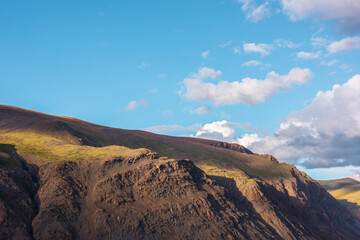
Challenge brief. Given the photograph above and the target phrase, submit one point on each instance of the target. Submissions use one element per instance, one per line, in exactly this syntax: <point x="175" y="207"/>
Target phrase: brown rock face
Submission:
<point x="145" y="196"/>
<point x="148" y="198"/>
<point x="139" y="198"/>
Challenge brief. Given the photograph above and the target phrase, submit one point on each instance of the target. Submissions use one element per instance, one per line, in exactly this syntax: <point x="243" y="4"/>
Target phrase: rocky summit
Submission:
<point x="63" y="178"/>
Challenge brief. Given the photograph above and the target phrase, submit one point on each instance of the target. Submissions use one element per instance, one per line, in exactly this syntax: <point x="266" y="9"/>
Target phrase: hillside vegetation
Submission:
<point x="63" y="178"/>
<point x="346" y="190"/>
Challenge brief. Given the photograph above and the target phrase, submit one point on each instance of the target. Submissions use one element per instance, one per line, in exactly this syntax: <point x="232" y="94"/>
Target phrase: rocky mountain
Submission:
<point x="346" y="191"/>
<point x="63" y="178"/>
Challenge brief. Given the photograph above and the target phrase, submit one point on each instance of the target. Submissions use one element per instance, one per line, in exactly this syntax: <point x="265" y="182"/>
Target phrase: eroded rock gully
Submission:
<point x="149" y="198"/>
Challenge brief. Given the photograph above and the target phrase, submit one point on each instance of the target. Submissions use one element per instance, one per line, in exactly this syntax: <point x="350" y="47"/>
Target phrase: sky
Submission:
<point x="277" y="76"/>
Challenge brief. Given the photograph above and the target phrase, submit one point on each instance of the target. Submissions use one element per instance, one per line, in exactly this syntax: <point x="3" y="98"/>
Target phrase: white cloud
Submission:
<point x="248" y="91"/>
<point x="134" y="104"/>
<point x="345" y="12"/>
<point x="330" y="63"/>
<point x="237" y="50"/>
<point x="262" y="48"/>
<point x="220" y="130"/>
<point x="248" y="139"/>
<point x="225" y="44"/>
<point x="346" y="67"/>
<point x="251" y="63"/>
<point x="308" y="55"/>
<point x="346" y="44"/>
<point x="318" y="42"/>
<point x="253" y="12"/>
<point x="167" y="113"/>
<point x="283" y="43"/>
<point x="205" y="54"/>
<point x="224" y="115"/>
<point x="324" y="134"/>
<point x="144" y="65"/>
<point x="224" y="131"/>
<point x="153" y="90"/>
<point x="202" y="111"/>
<point x="207" y="73"/>
<point x="162" y="75"/>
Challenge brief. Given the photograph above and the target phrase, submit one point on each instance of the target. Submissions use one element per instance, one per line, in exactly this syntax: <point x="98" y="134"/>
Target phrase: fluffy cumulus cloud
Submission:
<point x="225" y="131"/>
<point x="346" y="44"/>
<point x="255" y="12"/>
<point x="346" y="12"/>
<point x="248" y="91"/>
<point x="262" y="48"/>
<point x="135" y="104"/>
<point x="324" y="134"/>
<point x="308" y="55"/>
<point x="220" y="130"/>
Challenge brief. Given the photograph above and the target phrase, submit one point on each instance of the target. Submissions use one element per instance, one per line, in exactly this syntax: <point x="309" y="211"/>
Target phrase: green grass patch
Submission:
<point x="51" y="149"/>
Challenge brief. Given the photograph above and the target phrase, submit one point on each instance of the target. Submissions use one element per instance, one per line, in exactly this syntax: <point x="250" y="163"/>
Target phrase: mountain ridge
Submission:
<point x="114" y="185"/>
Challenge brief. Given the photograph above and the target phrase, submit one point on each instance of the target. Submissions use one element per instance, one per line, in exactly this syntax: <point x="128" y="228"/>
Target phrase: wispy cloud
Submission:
<point x="143" y="65"/>
<point x="253" y="12"/>
<point x="154" y="90"/>
<point x="201" y="111"/>
<point x="167" y="113"/>
<point x="283" y="43"/>
<point x="319" y="42"/>
<point x="329" y="63"/>
<point x="205" y="54"/>
<point x="135" y="104"/>
<point x="225" y="44"/>
<point x="251" y="63"/>
<point x="237" y="50"/>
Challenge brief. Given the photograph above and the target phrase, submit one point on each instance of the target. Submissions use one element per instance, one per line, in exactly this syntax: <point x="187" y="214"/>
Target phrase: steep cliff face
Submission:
<point x="141" y="197"/>
<point x="60" y="179"/>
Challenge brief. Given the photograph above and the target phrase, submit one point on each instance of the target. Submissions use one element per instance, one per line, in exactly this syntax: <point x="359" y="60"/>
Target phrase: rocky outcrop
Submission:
<point x="18" y="199"/>
<point x="231" y="146"/>
<point x="267" y="157"/>
<point x="145" y="196"/>
<point x="139" y="198"/>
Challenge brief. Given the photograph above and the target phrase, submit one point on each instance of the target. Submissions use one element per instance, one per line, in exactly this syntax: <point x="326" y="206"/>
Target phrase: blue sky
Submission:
<point x="242" y="71"/>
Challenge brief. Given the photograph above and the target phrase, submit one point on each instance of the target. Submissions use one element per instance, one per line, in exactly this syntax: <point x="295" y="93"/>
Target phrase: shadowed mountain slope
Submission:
<point x="63" y="178"/>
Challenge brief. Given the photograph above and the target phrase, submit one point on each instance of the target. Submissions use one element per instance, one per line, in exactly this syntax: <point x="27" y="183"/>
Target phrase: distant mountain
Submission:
<point x="346" y="191"/>
<point x="63" y="178"/>
<point x="356" y="177"/>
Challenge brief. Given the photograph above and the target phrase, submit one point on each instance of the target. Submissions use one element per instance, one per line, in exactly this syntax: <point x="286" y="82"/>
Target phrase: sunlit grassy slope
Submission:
<point x="53" y="138"/>
<point x="50" y="149"/>
<point x="346" y="190"/>
<point x="204" y="156"/>
<point x="212" y="160"/>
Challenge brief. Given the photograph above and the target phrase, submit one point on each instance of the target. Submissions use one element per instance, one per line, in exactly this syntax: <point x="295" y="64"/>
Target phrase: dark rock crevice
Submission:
<point x="19" y="202"/>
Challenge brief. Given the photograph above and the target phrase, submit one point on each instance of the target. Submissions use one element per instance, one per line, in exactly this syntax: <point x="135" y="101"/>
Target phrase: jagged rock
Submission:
<point x="148" y="196"/>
